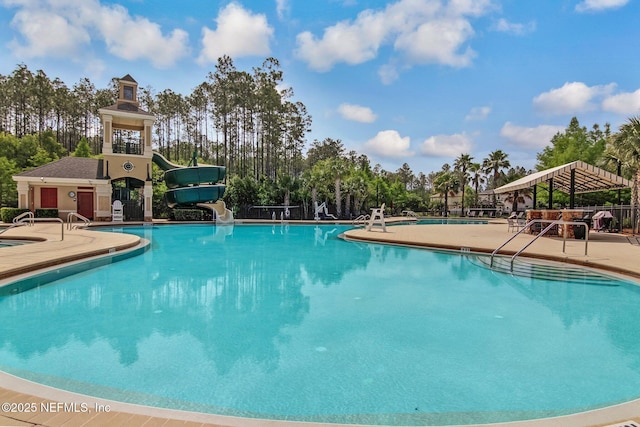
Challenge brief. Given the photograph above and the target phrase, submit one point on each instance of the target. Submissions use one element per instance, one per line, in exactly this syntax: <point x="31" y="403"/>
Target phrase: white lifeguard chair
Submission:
<point x="377" y="219"/>
<point x="117" y="211"/>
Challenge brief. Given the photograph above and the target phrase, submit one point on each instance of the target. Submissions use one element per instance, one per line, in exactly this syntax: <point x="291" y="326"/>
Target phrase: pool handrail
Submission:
<point x="20" y="224"/>
<point x="549" y="227"/>
<point x="361" y="220"/>
<point x="82" y="218"/>
<point x="24" y="222"/>
<point x="19" y="218"/>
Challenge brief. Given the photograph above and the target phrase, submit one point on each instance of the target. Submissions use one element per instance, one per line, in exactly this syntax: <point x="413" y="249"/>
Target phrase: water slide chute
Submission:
<point x="186" y="196"/>
<point x="219" y="209"/>
<point x="193" y="185"/>
<point x="193" y="175"/>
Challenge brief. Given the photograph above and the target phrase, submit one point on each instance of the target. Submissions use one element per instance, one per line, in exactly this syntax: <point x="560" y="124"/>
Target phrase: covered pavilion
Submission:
<point x="571" y="178"/>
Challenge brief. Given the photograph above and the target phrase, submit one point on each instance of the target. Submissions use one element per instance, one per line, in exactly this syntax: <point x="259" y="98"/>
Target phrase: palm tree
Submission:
<point x="462" y="164"/>
<point x="476" y="179"/>
<point x="338" y="169"/>
<point x="496" y="161"/>
<point x="624" y="147"/>
<point x="446" y="183"/>
<point x="517" y="197"/>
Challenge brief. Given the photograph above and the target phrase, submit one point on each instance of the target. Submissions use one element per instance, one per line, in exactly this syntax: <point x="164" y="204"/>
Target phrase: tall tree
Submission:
<point x="493" y="165"/>
<point x="575" y="143"/>
<point x="405" y="175"/>
<point x="42" y="99"/>
<point x="446" y="183"/>
<point x="476" y="179"/>
<point x="20" y="88"/>
<point x="462" y="165"/>
<point x="328" y="148"/>
<point x="625" y="147"/>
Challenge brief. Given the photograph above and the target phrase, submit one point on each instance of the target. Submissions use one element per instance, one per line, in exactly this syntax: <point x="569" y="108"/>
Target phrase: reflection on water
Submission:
<point x="292" y="321"/>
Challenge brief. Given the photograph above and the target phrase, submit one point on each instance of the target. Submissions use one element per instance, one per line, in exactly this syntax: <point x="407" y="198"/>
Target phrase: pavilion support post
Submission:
<point x="535" y="196"/>
<point x="572" y="190"/>
<point x="550" y="203"/>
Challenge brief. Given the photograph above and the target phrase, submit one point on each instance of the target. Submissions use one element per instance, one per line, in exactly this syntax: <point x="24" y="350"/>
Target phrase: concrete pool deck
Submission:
<point x="613" y="252"/>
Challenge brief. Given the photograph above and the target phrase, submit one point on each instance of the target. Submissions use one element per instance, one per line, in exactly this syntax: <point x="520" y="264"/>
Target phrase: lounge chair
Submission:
<point x="513" y="223"/>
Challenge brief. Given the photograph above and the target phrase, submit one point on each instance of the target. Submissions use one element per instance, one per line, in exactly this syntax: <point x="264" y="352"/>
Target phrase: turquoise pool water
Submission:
<point x="291" y="322"/>
<point x="4" y="243"/>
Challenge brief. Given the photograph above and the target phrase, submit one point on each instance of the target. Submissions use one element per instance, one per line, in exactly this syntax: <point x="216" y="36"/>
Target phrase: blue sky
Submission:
<point x="415" y="81"/>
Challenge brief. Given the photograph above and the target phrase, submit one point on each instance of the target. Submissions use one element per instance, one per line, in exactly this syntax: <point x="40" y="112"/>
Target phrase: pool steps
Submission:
<point x="61" y="271"/>
<point x="543" y="271"/>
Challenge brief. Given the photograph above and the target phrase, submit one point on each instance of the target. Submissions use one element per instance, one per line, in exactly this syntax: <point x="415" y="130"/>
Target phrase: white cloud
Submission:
<point x="575" y="97"/>
<point x="478" y="113"/>
<point x="388" y="74"/>
<point x="66" y="29"/>
<point x="623" y="103"/>
<point x="238" y="33"/>
<point x="282" y="8"/>
<point x="47" y="34"/>
<point x="389" y="143"/>
<point x="505" y="26"/>
<point x="446" y="145"/>
<point x="438" y="42"/>
<point x="119" y="30"/>
<point x="530" y="137"/>
<point x="422" y="31"/>
<point x="599" y="5"/>
<point x="357" y="113"/>
<point x="344" y="42"/>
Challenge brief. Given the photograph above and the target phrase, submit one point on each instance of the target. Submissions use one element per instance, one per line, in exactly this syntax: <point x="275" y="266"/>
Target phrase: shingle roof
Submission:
<point x="125" y="106"/>
<point x="69" y="167"/>
<point x="129" y="78"/>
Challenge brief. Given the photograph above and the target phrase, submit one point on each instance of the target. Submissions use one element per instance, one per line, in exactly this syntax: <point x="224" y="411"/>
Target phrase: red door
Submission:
<point x="85" y="204"/>
<point x="48" y="198"/>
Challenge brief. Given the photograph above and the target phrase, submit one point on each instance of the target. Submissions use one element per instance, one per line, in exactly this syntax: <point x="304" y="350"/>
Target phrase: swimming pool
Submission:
<point x="9" y="242"/>
<point x="291" y="322"/>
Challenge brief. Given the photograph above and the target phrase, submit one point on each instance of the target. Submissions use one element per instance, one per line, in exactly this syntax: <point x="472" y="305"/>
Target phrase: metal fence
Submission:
<point x="625" y="216"/>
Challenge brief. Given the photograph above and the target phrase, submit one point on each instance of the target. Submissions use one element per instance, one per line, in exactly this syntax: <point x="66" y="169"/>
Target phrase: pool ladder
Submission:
<point x="361" y="220"/>
<point x="549" y="227"/>
<point x="71" y="216"/>
<point x="19" y="221"/>
<point x="30" y="220"/>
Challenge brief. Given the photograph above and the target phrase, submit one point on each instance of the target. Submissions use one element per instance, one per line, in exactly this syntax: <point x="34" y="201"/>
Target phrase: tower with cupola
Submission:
<point x="127" y="151"/>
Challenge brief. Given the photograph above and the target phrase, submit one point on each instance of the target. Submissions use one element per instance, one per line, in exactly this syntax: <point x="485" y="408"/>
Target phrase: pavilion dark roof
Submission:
<point x="69" y="167"/>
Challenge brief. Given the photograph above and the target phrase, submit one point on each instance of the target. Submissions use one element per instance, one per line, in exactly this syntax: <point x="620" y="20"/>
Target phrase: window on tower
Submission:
<point x="128" y="93"/>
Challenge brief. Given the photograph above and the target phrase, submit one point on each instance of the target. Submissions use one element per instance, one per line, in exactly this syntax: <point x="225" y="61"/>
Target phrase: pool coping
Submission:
<point x="21" y="390"/>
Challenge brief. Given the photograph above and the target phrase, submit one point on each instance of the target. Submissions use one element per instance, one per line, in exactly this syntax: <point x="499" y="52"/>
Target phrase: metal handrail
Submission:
<point x="361" y="220"/>
<point x="542" y="233"/>
<point x="19" y="224"/>
<point x="22" y="222"/>
<point x="19" y="218"/>
<point x="70" y="217"/>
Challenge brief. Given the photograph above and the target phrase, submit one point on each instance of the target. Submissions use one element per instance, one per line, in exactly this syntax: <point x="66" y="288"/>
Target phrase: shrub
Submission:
<point x="46" y="213"/>
<point x="7" y="214"/>
<point x="187" y="214"/>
